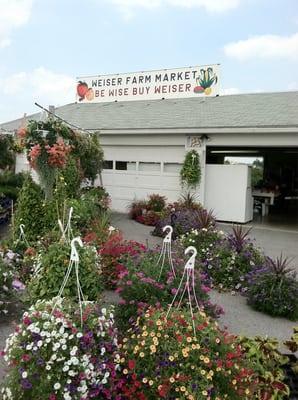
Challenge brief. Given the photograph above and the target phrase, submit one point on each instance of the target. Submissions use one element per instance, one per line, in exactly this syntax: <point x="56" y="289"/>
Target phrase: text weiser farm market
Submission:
<point x="173" y="83"/>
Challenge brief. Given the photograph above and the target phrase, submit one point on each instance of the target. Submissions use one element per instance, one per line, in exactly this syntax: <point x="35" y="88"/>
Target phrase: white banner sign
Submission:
<point x="152" y="85"/>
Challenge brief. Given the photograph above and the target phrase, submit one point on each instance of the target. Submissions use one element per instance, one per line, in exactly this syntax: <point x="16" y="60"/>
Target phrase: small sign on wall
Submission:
<point x="195" y="81"/>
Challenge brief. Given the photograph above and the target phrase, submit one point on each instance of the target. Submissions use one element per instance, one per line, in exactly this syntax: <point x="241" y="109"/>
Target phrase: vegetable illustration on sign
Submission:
<point x="84" y="92"/>
<point x="205" y="80"/>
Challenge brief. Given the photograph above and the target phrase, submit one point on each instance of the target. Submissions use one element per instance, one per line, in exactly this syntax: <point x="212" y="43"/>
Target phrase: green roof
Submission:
<point x="243" y="110"/>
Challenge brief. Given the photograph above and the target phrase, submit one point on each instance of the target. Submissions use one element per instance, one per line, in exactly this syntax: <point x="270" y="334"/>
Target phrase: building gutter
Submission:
<point x="198" y="131"/>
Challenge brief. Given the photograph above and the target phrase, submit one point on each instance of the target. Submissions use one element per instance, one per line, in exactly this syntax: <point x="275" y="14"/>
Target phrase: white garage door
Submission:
<point x="133" y="172"/>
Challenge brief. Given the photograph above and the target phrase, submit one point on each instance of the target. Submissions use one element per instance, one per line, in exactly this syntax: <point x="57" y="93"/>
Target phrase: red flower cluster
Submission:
<point x="150" y="218"/>
<point x="57" y="154"/>
<point x="113" y="253"/>
<point x="34" y="154"/>
<point x="22" y="132"/>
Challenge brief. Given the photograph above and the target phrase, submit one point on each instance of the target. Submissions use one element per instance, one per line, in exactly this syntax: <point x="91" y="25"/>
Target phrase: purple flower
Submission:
<point x="26" y="384"/>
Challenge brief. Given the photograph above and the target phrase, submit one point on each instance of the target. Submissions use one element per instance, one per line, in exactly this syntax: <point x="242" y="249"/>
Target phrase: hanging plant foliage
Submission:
<point x="51" y="145"/>
<point x="190" y="173"/>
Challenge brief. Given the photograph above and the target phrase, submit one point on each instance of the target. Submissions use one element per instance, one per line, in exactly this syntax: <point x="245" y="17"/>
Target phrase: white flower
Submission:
<point x="74" y="361"/>
<point x="39" y="343"/>
<point x="24" y="374"/>
<point x="57" y="386"/>
<point x="64" y="347"/>
<point x="65" y="368"/>
<point x="79" y="335"/>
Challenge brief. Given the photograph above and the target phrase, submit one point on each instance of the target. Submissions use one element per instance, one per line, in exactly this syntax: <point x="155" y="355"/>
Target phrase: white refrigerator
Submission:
<point x="228" y="192"/>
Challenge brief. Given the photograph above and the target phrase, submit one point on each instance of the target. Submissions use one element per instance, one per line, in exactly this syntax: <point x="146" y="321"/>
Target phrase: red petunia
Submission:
<point x="131" y="364"/>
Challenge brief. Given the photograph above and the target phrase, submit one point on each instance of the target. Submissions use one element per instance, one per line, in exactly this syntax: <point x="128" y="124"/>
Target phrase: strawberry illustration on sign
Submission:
<point x="82" y="89"/>
<point x="205" y="80"/>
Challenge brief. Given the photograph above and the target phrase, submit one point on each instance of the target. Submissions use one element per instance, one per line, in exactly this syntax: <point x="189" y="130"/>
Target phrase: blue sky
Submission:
<point x="46" y="44"/>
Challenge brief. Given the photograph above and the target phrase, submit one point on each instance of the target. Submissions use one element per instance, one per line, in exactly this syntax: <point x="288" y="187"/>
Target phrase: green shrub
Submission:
<point x="7" y="158"/>
<point x="11" y="183"/>
<point x="30" y="211"/>
<point x="54" y="262"/>
<point x="72" y="177"/>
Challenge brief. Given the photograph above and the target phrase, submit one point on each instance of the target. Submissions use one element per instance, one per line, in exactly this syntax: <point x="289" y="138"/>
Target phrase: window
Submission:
<point x="125" y="166"/>
<point x="108" y="164"/>
<point x="173" y="168"/>
<point x="149" y="166"/>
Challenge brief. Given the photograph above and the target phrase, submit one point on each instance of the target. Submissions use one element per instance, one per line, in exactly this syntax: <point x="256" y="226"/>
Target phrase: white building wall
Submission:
<point x="151" y="147"/>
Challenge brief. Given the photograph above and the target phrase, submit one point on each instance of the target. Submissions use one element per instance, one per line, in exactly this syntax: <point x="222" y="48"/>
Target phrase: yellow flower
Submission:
<point x="217" y="340"/>
<point x="172" y="379"/>
<point x="158" y="322"/>
<point x="150" y="383"/>
<point x="153" y="348"/>
<point x="145" y="380"/>
<point x="182" y="388"/>
<point x="189" y="339"/>
<point x="125" y="371"/>
<point x="145" y="333"/>
<point x="152" y="334"/>
<point x="247" y="391"/>
<point x="158" y="334"/>
<point x="141" y="354"/>
<point x="206" y="360"/>
<point x="204" y="393"/>
<point x="202" y="357"/>
<point x="203" y="372"/>
<point x="234" y="381"/>
<point x="171" y="358"/>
